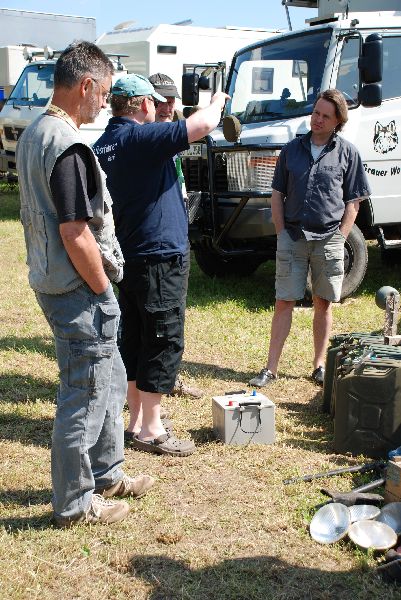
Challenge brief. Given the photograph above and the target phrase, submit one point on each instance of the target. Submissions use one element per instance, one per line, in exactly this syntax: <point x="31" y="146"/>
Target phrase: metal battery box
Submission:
<point x="243" y="419"/>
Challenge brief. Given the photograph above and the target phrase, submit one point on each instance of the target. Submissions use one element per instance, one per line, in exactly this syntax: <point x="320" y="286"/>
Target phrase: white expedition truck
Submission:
<point x="353" y="45"/>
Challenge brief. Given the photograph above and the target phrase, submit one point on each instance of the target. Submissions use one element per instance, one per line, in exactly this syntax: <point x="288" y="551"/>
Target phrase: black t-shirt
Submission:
<point x="72" y="184"/>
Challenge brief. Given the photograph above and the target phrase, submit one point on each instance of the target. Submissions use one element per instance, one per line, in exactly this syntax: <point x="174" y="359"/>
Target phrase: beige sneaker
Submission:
<point x="100" y="511"/>
<point x="130" y="486"/>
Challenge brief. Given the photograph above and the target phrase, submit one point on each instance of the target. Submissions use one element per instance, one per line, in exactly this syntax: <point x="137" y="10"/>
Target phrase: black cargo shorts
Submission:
<point x="152" y="297"/>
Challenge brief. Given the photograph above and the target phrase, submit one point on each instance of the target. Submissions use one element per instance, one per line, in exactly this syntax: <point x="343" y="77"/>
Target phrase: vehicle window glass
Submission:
<point x="348" y="72"/>
<point x="34" y="87"/>
<point x="391" y="84"/>
<point x="279" y="78"/>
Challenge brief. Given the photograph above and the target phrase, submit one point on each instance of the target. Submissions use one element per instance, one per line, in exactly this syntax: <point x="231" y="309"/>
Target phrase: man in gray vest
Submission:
<point x="73" y="256"/>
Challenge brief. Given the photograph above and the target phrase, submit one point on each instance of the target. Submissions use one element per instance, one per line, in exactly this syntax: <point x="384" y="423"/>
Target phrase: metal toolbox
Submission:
<point x="243" y="419"/>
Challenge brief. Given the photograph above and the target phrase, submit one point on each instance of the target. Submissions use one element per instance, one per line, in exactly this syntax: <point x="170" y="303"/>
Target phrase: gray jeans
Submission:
<point x="88" y="431"/>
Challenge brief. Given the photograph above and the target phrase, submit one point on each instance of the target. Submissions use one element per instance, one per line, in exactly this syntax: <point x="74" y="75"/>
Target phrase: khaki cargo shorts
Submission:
<point x="325" y="259"/>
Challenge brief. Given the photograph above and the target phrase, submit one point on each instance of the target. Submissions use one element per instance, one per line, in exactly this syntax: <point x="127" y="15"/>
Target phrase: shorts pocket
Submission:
<point x="334" y="258"/>
<point x="283" y="263"/>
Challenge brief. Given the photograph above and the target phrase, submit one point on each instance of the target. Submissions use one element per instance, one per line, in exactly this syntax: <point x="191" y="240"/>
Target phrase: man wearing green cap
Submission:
<point x="152" y="227"/>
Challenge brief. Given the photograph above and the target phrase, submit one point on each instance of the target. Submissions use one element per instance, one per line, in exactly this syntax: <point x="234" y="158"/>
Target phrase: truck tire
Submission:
<point x="215" y="265"/>
<point x="355" y="264"/>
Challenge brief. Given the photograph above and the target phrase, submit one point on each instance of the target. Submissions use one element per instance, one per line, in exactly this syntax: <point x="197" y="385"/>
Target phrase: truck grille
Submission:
<point x="13" y="133"/>
<point x="251" y="170"/>
<point x="242" y="170"/>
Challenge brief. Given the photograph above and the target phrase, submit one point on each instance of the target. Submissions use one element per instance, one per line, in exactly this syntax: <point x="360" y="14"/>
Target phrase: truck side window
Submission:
<point x="348" y="73"/>
<point x="391" y="67"/>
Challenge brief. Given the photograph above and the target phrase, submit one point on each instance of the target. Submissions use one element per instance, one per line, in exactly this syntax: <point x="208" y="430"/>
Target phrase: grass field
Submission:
<point x="219" y="524"/>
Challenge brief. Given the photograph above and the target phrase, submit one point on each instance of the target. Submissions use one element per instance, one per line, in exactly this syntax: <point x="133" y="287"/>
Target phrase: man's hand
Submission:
<point x="84" y="254"/>
<point x="206" y="119"/>
<point x="221" y="98"/>
<point x="277" y="205"/>
<point x="349" y="216"/>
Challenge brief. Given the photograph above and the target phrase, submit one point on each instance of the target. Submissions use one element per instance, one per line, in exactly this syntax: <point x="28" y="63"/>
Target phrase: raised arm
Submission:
<point x="205" y="120"/>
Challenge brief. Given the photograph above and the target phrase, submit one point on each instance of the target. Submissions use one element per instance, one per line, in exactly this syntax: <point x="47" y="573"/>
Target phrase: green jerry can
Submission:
<point x="339" y="346"/>
<point x="368" y="407"/>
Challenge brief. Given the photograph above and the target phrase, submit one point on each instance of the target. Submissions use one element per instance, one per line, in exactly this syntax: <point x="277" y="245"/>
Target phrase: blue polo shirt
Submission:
<point x="148" y="207"/>
<point x="316" y="192"/>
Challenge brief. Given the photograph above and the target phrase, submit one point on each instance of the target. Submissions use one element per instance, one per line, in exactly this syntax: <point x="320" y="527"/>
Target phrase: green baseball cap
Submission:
<point x="135" y="85"/>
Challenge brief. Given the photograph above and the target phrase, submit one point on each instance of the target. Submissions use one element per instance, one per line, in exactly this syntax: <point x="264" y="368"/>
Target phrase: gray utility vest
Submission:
<point x="50" y="268"/>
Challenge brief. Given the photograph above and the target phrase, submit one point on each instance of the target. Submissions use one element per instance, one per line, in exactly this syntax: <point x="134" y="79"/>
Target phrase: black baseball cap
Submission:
<point x="164" y="85"/>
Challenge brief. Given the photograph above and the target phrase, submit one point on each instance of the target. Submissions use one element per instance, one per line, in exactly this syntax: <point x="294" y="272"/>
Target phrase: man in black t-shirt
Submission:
<point x="72" y="257"/>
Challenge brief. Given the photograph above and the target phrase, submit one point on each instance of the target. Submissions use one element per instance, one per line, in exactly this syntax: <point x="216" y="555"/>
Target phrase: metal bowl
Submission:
<point x="372" y="534"/>
<point x="330" y="523"/>
<point x="391" y="515"/>
<point x="360" y="512"/>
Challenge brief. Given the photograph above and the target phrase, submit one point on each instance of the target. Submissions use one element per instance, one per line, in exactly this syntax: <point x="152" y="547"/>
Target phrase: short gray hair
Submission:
<point x="80" y="59"/>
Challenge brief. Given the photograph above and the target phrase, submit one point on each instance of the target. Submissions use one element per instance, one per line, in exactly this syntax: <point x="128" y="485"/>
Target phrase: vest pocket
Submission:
<point x="36" y="240"/>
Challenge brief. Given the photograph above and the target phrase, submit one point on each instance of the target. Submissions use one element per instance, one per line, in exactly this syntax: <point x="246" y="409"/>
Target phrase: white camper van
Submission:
<point x="170" y="49"/>
<point x="177" y="49"/>
<point x="352" y="45"/>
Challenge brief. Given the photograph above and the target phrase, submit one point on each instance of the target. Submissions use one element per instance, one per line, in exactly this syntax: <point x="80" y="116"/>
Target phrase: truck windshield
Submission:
<point x="279" y="79"/>
<point x="34" y="87"/>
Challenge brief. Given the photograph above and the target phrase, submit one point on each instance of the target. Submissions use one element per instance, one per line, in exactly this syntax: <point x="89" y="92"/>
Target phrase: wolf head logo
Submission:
<point x="385" y="138"/>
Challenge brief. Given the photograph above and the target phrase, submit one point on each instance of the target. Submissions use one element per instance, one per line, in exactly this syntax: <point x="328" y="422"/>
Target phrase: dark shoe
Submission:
<point x="100" y="511"/>
<point x="318" y="376"/>
<point x="182" y="389"/>
<point x="130" y="435"/>
<point x="130" y="486"/>
<point x="165" y="444"/>
<point x="264" y="378"/>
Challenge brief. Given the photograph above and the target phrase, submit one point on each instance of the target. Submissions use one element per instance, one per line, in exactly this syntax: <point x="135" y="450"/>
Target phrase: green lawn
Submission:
<point x="219" y="524"/>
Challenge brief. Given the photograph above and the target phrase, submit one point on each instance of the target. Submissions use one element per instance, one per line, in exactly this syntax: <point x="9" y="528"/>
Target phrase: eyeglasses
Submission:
<point x="106" y="93"/>
<point x="169" y="102"/>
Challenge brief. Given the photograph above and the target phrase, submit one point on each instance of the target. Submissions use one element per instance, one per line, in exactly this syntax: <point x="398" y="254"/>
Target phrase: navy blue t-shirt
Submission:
<point x="148" y="207"/>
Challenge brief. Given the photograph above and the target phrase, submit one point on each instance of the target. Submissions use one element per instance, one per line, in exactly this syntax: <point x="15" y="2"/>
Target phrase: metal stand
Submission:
<point x="390" y="320"/>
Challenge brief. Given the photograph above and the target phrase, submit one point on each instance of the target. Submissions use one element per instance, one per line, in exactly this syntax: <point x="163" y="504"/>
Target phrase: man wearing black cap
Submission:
<point x="164" y="85"/>
<point x="152" y="227"/>
<point x="166" y="113"/>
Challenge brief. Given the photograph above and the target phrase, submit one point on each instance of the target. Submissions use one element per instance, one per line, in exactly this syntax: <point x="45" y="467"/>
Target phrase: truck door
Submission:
<point x="377" y="131"/>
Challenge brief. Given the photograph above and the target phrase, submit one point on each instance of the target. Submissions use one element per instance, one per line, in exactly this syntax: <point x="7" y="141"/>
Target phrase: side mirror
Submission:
<point x="371" y="62"/>
<point x="190" y="89"/>
<point x="371" y="95"/>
